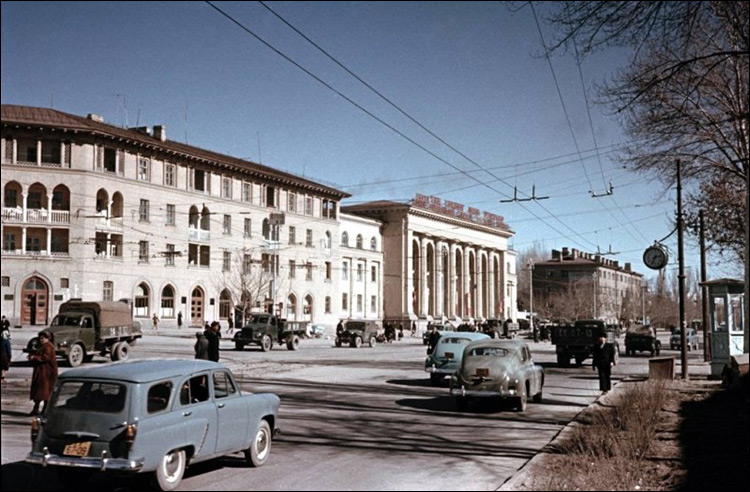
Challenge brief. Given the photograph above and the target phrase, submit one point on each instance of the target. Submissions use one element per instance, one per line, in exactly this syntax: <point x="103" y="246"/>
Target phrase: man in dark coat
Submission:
<point x="212" y="335"/>
<point x="603" y="361"/>
<point x="433" y="339"/>
<point x="44" y="377"/>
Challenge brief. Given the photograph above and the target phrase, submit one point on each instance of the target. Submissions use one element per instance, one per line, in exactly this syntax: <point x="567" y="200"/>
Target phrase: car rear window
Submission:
<point x="90" y="396"/>
<point x="489" y="352"/>
<point x="456" y="340"/>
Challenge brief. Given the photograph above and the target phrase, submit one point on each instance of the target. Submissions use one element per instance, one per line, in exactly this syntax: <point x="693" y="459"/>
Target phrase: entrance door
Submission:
<point x="196" y="307"/>
<point x="34" y="297"/>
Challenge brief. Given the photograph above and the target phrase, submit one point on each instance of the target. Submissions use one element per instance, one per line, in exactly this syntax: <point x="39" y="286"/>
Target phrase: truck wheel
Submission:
<point x="168" y="474"/>
<point x="357" y="342"/>
<point x="293" y="343"/>
<point x="113" y="352"/>
<point x="579" y="359"/>
<point x="563" y="360"/>
<point x="239" y="346"/>
<point x="123" y="351"/>
<point x="373" y="341"/>
<point x="266" y="343"/>
<point x="258" y="452"/>
<point x="76" y="355"/>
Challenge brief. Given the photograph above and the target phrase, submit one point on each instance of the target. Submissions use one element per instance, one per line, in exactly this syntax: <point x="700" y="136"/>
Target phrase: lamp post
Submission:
<point x="531" y="295"/>
<point x="644" y="288"/>
<point x="594" y="277"/>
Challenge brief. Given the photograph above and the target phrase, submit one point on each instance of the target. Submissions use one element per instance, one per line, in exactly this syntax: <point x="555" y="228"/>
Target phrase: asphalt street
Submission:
<point x="351" y="419"/>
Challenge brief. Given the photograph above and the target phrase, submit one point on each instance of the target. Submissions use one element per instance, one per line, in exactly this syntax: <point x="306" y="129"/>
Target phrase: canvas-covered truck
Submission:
<point x="577" y="340"/>
<point x="266" y="330"/>
<point x="82" y="329"/>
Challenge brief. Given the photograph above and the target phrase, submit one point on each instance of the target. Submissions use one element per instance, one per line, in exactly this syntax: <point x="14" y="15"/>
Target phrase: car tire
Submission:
<point x="357" y="342"/>
<point x="120" y="351"/>
<point x="76" y="355"/>
<point x="373" y="341"/>
<point x="521" y="399"/>
<point x="563" y="360"/>
<point x="266" y="343"/>
<point x="293" y="343"/>
<point x="171" y="468"/>
<point x="239" y="346"/>
<point x="257" y="454"/>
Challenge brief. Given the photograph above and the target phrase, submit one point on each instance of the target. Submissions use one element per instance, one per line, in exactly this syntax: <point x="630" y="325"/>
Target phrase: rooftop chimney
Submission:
<point x="627" y="267"/>
<point x="141" y="129"/>
<point x="160" y="132"/>
<point x="556" y="255"/>
<point x="565" y="252"/>
<point x="95" y="117"/>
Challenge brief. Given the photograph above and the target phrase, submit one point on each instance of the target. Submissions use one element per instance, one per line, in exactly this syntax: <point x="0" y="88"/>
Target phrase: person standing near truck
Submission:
<point x="603" y="362"/>
<point x="44" y="377"/>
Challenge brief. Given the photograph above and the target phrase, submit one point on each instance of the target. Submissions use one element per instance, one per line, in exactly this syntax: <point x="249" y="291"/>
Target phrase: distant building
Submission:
<point x="574" y="284"/>
<point x="360" y="269"/>
<point x="442" y="261"/>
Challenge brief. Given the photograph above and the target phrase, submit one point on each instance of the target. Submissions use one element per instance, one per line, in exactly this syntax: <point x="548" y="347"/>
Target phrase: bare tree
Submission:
<point x="536" y="253"/>
<point x="248" y="278"/>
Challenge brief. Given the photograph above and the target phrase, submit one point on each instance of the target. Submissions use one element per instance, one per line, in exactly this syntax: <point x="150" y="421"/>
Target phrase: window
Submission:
<point x="359" y="303"/>
<point x="144" y="168"/>
<point x="247" y="262"/>
<point x="328" y="305"/>
<point x="309" y="275"/>
<point x="143" y="211"/>
<point x="194" y="390"/>
<point x="309" y="238"/>
<point x="169" y="256"/>
<point x="169" y="175"/>
<point x="373" y="244"/>
<point x="327" y="242"/>
<point x="374" y="304"/>
<point x="225" y="304"/>
<point x="158" y="397"/>
<point x="227" y="224"/>
<point x="108" y="290"/>
<point x="328" y="270"/>
<point x="308" y="205"/>
<point x="345" y="270"/>
<point x="292" y="269"/>
<point x="6" y="281"/>
<point x="359" y="241"/>
<point x="143" y="251"/>
<point x="360" y="272"/>
<point x="271" y="196"/>
<point x="226" y="263"/>
<point x="248" y="227"/>
<point x="344" y="301"/>
<point x="344" y="239"/>
<point x="247" y="192"/>
<point x="9" y="241"/>
<point x="170" y="215"/>
<point x="223" y="385"/>
<point x="373" y="274"/>
<point x="142" y="295"/>
<point x="226" y="187"/>
<point x="51" y="152"/>
<point x="291" y="202"/>
<point x="292" y="235"/>
<point x="201" y="181"/>
<point x="64" y="283"/>
<point x="110" y="160"/>
<point x="167" y="302"/>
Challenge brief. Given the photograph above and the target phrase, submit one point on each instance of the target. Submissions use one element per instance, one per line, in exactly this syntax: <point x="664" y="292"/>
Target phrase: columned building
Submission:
<point x="442" y="262"/>
<point x="95" y="211"/>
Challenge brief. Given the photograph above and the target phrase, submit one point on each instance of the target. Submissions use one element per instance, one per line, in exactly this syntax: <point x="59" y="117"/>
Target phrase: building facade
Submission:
<point x="574" y="284"/>
<point x="95" y="211"/>
<point x="361" y="268"/>
<point x="442" y="262"/>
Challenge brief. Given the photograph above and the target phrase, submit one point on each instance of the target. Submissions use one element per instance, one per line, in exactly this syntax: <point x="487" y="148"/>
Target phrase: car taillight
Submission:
<point x="36" y="424"/>
<point x="130" y="432"/>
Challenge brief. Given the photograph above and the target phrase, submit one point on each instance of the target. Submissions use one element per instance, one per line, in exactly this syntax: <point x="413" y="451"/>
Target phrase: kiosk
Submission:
<point x="728" y="323"/>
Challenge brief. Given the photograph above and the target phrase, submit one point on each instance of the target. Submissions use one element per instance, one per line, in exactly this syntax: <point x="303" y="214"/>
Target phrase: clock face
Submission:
<point x="655" y="258"/>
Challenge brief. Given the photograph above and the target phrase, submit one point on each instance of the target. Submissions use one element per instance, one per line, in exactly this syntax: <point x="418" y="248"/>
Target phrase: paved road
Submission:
<point x="352" y="419"/>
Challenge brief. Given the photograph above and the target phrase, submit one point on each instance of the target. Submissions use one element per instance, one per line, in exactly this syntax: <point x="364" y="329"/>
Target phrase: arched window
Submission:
<point x="373" y="244"/>
<point x="308" y="308"/>
<point x="225" y="304"/>
<point x="167" y="302"/>
<point x="344" y="239"/>
<point x="291" y="307"/>
<point x="359" y="241"/>
<point x="328" y="239"/>
<point x="142" y="295"/>
<point x="266" y="229"/>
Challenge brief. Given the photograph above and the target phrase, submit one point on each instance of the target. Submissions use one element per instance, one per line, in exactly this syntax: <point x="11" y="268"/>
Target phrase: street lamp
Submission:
<point x="644" y="288"/>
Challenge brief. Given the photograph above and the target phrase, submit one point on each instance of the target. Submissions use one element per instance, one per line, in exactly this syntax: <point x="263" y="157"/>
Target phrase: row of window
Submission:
<point x="359" y="241"/>
<point x="359" y="300"/>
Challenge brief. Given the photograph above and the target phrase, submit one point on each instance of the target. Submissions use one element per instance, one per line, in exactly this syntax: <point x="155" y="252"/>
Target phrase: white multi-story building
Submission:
<point x="95" y="211"/>
<point x="443" y="262"/>
<point x="361" y="268"/>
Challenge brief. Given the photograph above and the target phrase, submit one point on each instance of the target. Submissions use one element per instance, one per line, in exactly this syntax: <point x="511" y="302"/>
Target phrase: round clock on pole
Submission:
<point x="655" y="257"/>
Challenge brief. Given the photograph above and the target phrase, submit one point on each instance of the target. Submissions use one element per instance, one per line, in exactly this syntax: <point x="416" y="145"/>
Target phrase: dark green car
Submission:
<point x="356" y="332"/>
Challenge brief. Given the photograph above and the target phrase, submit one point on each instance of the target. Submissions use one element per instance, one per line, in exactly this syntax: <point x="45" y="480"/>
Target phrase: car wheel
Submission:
<point x="338" y="342"/>
<point x="293" y="343"/>
<point x="266" y="343"/>
<point x="357" y="342"/>
<point x="113" y="354"/>
<point x="538" y="397"/>
<point x="72" y="478"/>
<point x="373" y="341"/>
<point x="521" y="399"/>
<point x="76" y="355"/>
<point x="258" y="452"/>
<point x="239" y="346"/>
<point x="168" y="474"/>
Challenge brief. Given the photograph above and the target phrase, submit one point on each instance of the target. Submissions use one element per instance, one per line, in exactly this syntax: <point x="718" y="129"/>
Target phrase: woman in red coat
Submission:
<point x="45" y="372"/>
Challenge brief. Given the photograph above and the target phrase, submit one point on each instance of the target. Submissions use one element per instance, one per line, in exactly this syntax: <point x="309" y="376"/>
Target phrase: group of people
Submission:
<point x="392" y="332"/>
<point x="207" y="342"/>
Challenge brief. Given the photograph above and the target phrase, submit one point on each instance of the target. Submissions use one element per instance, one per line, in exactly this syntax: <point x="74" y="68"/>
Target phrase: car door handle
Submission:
<point x="187" y="414"/>
<point x="221" y="405"/>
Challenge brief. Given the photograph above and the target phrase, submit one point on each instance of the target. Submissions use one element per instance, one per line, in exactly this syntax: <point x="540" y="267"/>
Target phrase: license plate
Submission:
<point x="449" y="355"/>
<point x="483" y="373"/>
<point x="77" y="449"/>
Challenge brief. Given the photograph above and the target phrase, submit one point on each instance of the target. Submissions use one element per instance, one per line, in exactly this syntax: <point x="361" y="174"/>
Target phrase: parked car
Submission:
<point x="693" y="339"/>
<point x="446" y="358"/>
<point x="497" y="368"/>
<point x="150" y="417"/>
<point x="642" y="339"/>
<point x="356" y="332"/>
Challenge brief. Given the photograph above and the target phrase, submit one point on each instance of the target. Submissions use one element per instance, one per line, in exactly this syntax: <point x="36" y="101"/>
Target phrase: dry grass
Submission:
<point x="606" y="450"/>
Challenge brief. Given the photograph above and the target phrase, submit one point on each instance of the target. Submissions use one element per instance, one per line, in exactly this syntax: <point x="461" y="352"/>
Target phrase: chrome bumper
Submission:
<point x="462" y="392"/>
<point x="103" y="463"/>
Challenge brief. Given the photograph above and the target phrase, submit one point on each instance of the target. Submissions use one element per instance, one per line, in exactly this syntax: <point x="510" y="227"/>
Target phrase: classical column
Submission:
<point x="439" y="280"/>
<point x="49" y="208"/>
<point x="452" y="282"/>
<point x="38" y="152"/>
<point x="49" y="241"/>
<point x="25" y="195"/>
<point x="492" y="301"/>
<point x="468" y="306"/>
<point x="408" y="272"/>
<point x="424" y="298"/>
<point x="23" y="238"/>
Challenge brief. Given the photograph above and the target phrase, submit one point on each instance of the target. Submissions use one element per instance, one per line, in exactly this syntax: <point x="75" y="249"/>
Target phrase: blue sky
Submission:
<point x="470" y="72"/>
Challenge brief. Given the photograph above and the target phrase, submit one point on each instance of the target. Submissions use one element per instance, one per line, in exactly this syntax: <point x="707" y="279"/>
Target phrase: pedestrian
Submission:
<point x="6" y="324"/>
<point x="413" y="328"/>
<point x="155" y="320"/>
<point x="179" y="320"/>
<point x="433" y="339"/>
<point x="230" y="325"/>
<point x="339" y="328"/>
<point x="603" y="361"/>
<point x="5" y="351"/>
<point x="44" y="377"/>
<point x="201" y="346"/>
<point x="213" y="342"/>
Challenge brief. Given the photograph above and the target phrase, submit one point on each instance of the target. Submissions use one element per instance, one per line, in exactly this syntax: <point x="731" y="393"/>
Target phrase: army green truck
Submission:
<point x="577" y="340"/>
<point x="266" y="330"/>
<point x="82" y="329"/>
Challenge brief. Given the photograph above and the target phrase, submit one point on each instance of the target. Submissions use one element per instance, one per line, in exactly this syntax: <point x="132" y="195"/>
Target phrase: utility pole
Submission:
<point x="531" y="296"/>
<point x="644" y="286"/>
<point x="594" y="278"/>
<point x="275" y="221"/>
<point x="704" y="290"/>
<point x="681" y="274"/>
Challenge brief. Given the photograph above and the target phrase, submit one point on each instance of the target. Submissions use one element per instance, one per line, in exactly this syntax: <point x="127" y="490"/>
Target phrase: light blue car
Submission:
<point x="446" y="358"/>
<point x="150" y="417"/>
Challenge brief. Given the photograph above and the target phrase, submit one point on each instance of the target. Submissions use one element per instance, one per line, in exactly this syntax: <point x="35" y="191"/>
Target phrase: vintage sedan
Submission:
<point x="150" y="417"/>
<point x="692" y="337"/>
<point x="497" y="369"/>
<point x="446" y="358"/>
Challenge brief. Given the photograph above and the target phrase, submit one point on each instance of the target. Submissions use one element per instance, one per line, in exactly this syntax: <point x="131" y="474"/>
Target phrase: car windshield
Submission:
<point x="91" y="396"/>
<point x="489" y="351"/>
<point x="259" y="319"/>
<point x="355" y="325"/>
<point x="455" y="340"/>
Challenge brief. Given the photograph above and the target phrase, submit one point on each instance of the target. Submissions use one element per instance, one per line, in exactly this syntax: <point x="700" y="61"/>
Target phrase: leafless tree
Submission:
<point x="248" y="278"/>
